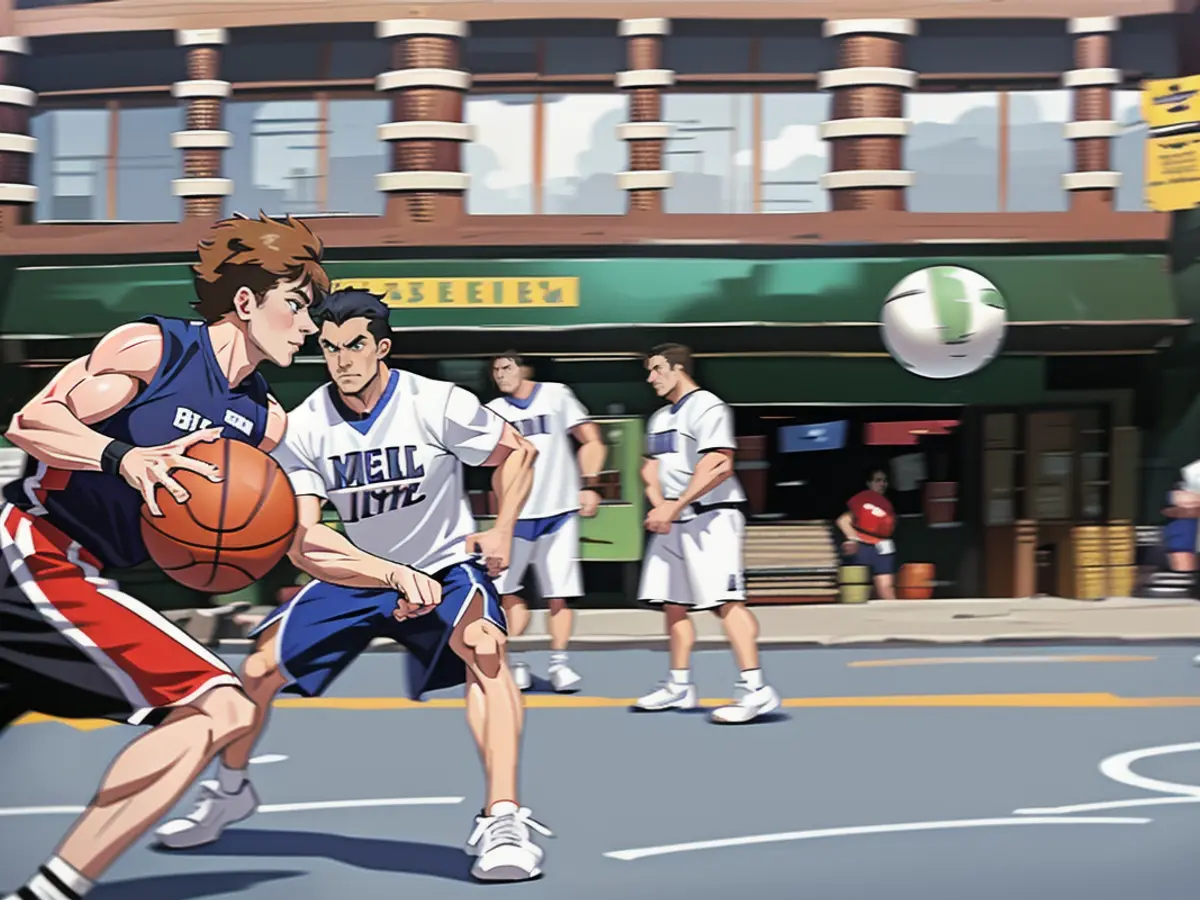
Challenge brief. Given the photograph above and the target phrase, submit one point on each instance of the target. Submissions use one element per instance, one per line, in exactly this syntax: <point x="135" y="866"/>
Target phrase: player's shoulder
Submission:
<point x="1191" y="476"/>
<point x="703" y="401"/>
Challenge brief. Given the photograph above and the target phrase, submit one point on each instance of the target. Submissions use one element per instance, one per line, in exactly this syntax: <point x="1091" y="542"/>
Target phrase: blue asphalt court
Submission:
<point x="926" y="773"/>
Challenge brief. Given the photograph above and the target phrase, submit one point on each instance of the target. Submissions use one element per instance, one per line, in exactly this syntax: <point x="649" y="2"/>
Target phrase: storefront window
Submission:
<point x="500" y="159"/>
<point x="1129" y="151"/>
<point x="953" y="149"/>
<point x="275" y="156"/>
<point x="1038" y="152"/>
<point x="793" y="155"/>
<point x="356" y="155"/>
<point x="583" y="154"/>
<point x="70" y="168"/>
<point x="146" y="163"/>
<point x="710" y="152"/>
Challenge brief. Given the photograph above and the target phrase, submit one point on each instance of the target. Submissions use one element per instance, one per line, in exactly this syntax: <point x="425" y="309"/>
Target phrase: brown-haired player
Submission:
<point x="694" y="559"/>
<point x="102" y="438"/>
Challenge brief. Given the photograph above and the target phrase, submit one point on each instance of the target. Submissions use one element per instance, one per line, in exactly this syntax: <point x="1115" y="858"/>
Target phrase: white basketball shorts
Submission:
<point x="551" y="546"/>
<point x="698" y="563"/>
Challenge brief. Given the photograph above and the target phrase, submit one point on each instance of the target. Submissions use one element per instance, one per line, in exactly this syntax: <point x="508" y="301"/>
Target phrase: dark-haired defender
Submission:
<point x="102" y="438"/>
<point x="386" y="448"/>
<point x="694" y="560"/>
<point x="547" y="535"/>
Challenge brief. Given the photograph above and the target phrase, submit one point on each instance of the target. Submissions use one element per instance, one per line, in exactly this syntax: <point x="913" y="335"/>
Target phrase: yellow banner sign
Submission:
<point x="1171" y="111"/>
<point x="432" y="293"/>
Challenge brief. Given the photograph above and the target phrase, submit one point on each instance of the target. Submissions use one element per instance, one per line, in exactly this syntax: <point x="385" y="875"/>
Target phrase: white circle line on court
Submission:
<point x="1097" y="807"/>
<point x="268" y="758"/>
<point x="945" y="825"/>
<point x="269" y="808"/>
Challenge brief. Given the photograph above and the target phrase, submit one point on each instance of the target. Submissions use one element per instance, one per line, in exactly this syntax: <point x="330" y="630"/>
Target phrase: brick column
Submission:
<point x="647" y="177"/>
<point x="867" y="127"/>
<point x="16" y="145"/>
<point x="427" y="132"/>
<point x="1093" y="183"/>
<point x="202" y="188"/>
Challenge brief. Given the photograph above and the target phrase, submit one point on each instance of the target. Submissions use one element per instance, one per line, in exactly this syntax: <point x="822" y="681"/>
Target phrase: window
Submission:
<point x="793" y="155"/>
<point x="146" y="163"/>
<point x="953" y="150"/>
<point x="710" y="152"/>
<point x="70" y="168"/>
<point x="1038" y="152"/>
<point x="1129" y="151"/>
<point x="500" y="159"/>
<point x="356" y="156"/>
<point x="583" y="154"/>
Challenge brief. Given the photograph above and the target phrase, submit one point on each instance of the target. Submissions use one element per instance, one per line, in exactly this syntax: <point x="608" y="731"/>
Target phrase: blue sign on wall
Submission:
<point x="806" y="438"/>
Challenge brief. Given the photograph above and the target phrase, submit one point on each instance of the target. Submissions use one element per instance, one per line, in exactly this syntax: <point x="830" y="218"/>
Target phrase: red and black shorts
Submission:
<point x="74" y="646"/>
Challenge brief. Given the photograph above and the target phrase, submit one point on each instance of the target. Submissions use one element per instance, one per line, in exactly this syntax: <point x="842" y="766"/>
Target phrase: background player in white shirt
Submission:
<point x="548" y="415"/>
<point x="387" y="448"/>
<point x="694" y="559"/>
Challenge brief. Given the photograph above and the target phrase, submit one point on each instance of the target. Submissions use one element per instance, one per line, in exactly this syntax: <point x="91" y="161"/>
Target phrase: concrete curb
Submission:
<point x="596" y="643"/>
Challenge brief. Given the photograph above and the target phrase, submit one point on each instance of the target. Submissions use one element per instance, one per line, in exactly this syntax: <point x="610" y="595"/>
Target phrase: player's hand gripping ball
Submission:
<point x="228" y="534"/>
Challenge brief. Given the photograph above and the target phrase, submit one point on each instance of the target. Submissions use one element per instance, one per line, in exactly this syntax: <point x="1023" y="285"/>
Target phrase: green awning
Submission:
<point x="1054" y="295"/>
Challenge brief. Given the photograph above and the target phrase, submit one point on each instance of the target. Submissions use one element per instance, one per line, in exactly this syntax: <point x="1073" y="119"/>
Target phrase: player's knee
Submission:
<point x="259" y="668"/>
<point x="230" y="713"/>
<point x="483" y="644"/>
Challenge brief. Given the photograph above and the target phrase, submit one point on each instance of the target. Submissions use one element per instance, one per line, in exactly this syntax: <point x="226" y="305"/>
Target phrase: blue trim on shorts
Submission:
<point x="533" y="529"/>
<point x="326" y="626"/>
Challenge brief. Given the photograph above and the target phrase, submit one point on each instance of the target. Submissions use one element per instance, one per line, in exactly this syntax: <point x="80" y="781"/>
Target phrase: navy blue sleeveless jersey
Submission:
<point x="188" y="392"/>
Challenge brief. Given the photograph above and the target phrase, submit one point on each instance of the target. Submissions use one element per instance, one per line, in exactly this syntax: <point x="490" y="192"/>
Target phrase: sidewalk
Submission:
<point x="1038" y="620"/>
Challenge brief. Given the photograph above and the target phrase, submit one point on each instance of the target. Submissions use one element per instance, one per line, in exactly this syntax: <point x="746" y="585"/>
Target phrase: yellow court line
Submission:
<point x="885" y="701"/>
<point x="998" y="660"/>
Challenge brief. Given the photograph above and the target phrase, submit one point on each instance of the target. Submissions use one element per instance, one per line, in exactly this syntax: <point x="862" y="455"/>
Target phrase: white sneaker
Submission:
<point x="749" y="705"/>
<point x="215" y="811"/>
<point x="669" y="696"/>
<point x="520" y="674"/>
<point x="503" y="847"/>
<point x="564" y="679"/>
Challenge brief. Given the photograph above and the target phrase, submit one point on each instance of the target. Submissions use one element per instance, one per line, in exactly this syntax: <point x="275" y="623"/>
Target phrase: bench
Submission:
<point x="796" y="562"/>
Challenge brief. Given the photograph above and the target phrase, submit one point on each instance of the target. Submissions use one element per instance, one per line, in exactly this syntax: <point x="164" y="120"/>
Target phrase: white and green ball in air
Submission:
<point x="944" y="322"/>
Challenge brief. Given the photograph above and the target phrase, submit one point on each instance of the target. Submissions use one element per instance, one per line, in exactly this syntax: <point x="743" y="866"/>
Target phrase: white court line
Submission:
<point x="267" y="758"/>
<point x="1119" y="768"/>
<point x="641" y="853"/>
<point x="269" y="808"/>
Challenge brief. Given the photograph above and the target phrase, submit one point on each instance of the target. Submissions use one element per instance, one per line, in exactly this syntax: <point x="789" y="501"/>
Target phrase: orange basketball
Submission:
<point x="230" y="533"/>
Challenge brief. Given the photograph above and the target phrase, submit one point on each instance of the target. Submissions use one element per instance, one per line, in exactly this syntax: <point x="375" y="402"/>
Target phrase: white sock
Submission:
<point x="753" y="678"/>
<point x="503" y="807"/>
<point x="558" y="658"/>
<point x="230" y="780"/>
<point x="681" y="676"/>
<point x="56" y="880"/>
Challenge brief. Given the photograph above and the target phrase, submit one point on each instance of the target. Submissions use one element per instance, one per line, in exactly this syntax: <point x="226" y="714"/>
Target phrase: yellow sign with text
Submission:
<point x="1171" y="111"/>
<point x="467" y="293"/>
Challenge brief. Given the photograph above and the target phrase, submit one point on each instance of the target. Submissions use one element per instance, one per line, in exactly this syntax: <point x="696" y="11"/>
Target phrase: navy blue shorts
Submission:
<point x="1179" y="536"/>
<point x="878" y="563"/>
<point x="326" y="626"/>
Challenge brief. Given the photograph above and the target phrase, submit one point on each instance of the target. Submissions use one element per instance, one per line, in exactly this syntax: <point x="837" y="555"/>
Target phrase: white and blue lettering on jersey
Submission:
<point x="546" y="418"/>
<point x="677" y="436"/>
<point x="395" y="475"/>
<point x="188" y="392"/>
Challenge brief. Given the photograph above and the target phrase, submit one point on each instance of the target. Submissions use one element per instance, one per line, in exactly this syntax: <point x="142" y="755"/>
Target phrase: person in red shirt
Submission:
<point x="867" y="525"/>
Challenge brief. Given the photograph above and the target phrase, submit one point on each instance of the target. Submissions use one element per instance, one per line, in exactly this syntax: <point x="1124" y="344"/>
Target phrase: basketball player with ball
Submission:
<point x="387" y="448"/>
<point x="124" y="443"/>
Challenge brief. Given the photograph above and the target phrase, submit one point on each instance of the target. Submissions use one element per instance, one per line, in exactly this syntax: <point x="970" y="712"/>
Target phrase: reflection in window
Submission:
<point x="1129" y="151"/>
<point x="793" y="155"/>
<point x="356" y="155"/>
<point x="1038" y="152"/>
<point x="274" y="161"/>
<point x="500" y="159"/>
<point x="147" y="163"/>
<point x="583" y="154"/>
<point x="710" y="153"/>
<point x="953" y="151"/>
<point x="70" y="168"/>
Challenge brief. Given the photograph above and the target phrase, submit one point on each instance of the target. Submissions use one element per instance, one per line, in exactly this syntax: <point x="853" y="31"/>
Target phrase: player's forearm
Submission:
<point x="50" y="433"/>
<point x="845" y="525"/>
<point x="653" y="489"/>
<point x="591" y="456"/>
<point x="512" y="481"/>
<point x="328" y="555"/>
<point x="712" y="470"/>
